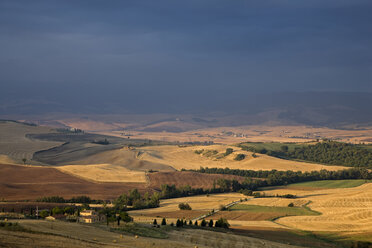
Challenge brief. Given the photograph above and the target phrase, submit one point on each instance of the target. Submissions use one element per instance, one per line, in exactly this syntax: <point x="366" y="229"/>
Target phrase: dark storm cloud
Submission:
<point x="128" y="50"/>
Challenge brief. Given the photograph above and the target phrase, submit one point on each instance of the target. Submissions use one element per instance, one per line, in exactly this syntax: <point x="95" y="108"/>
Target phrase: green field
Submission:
<point x="330" y="184"/>
<point x="283" y="211"/>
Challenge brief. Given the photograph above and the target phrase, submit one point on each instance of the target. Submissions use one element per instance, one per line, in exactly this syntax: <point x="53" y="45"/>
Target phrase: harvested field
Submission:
<point x="185" y="157"/>
<point x="128" y="158"/>
<point x="275" y="202"/>
<point x="104" y="173"/>
<point x="244" y="215"/>
<point x="28" y="182"/>
<point x="180" y="214"/>
<point x="183" y="178"/>
<point x="200" y="203"/>
<point x="253" y="133"/>
<point x="13" y="141"/>
<point x="346" y="211"/>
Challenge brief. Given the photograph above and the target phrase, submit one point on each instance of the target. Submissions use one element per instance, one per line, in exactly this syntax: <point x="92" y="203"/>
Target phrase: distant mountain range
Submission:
<point x="332" y="109"/>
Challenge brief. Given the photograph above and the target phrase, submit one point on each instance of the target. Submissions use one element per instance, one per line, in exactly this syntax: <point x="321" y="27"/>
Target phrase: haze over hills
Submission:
<point x="331" y="109"/>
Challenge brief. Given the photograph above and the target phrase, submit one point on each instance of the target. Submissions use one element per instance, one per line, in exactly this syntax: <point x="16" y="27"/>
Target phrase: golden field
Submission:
<point x="252" y="133"/>
<point x="185" y="157"/>
<point x="201" y="203"/>
<point x="342" y="211"/>
<point x="104" y="173"/>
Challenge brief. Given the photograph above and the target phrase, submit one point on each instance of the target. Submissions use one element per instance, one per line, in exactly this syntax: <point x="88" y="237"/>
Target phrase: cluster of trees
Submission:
<point x="78" y="199"/>
<point x="184" y="206"/>
<point x="113" y="215"/>
<point x="239" y="157"/>
<point x="326" y="152"/>
<point x="171" y="191"/>
<point x="228" y="151"/>
<point x="70" y="210"/>
<point x="180" y="223"/>
<point x="276" y="178"/>
<point x="134" y="199"/>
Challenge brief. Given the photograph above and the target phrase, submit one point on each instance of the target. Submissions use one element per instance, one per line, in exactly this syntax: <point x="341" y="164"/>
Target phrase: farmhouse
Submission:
<point x="90" y="216"/>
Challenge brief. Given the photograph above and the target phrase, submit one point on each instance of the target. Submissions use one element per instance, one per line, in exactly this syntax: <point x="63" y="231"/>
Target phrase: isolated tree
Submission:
<point x="229" y="151"/>
<point x="155" y="222"/>
<point x="163" y="222"/>
<point x="118" y="218"/>
<point x="178" y="223"/>
<point x="184" y="206"/>
<point x="190" y="223"/>
<point x="239" y="157"/>
<point x="196" y="223"/>
<point x="210" y="224"/>
<point x="203" y="223"/>
<point x="24" y="160"/>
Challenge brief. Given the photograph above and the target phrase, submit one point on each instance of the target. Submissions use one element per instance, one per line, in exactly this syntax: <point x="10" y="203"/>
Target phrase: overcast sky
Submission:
<point x="182" y="49"/>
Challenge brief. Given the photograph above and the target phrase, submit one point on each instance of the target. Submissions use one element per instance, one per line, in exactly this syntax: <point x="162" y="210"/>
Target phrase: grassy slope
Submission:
<point x="166" y="237"/>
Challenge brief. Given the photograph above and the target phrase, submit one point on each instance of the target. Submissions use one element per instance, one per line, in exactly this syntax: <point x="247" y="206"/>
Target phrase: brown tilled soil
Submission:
<point x="29" y="183"/>
<point x="244" y="215"/>
<point x="179" y="214"/>
<point x="182" y="178"/>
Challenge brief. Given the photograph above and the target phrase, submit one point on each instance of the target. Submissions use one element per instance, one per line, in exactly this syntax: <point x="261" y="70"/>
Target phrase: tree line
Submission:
<point x="78" y="199"/>
<point x="326" y="152"/>
<point x="255" y="179"/>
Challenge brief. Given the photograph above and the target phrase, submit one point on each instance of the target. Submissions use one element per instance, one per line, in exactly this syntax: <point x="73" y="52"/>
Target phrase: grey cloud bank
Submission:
<point x="181" y="52"/>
